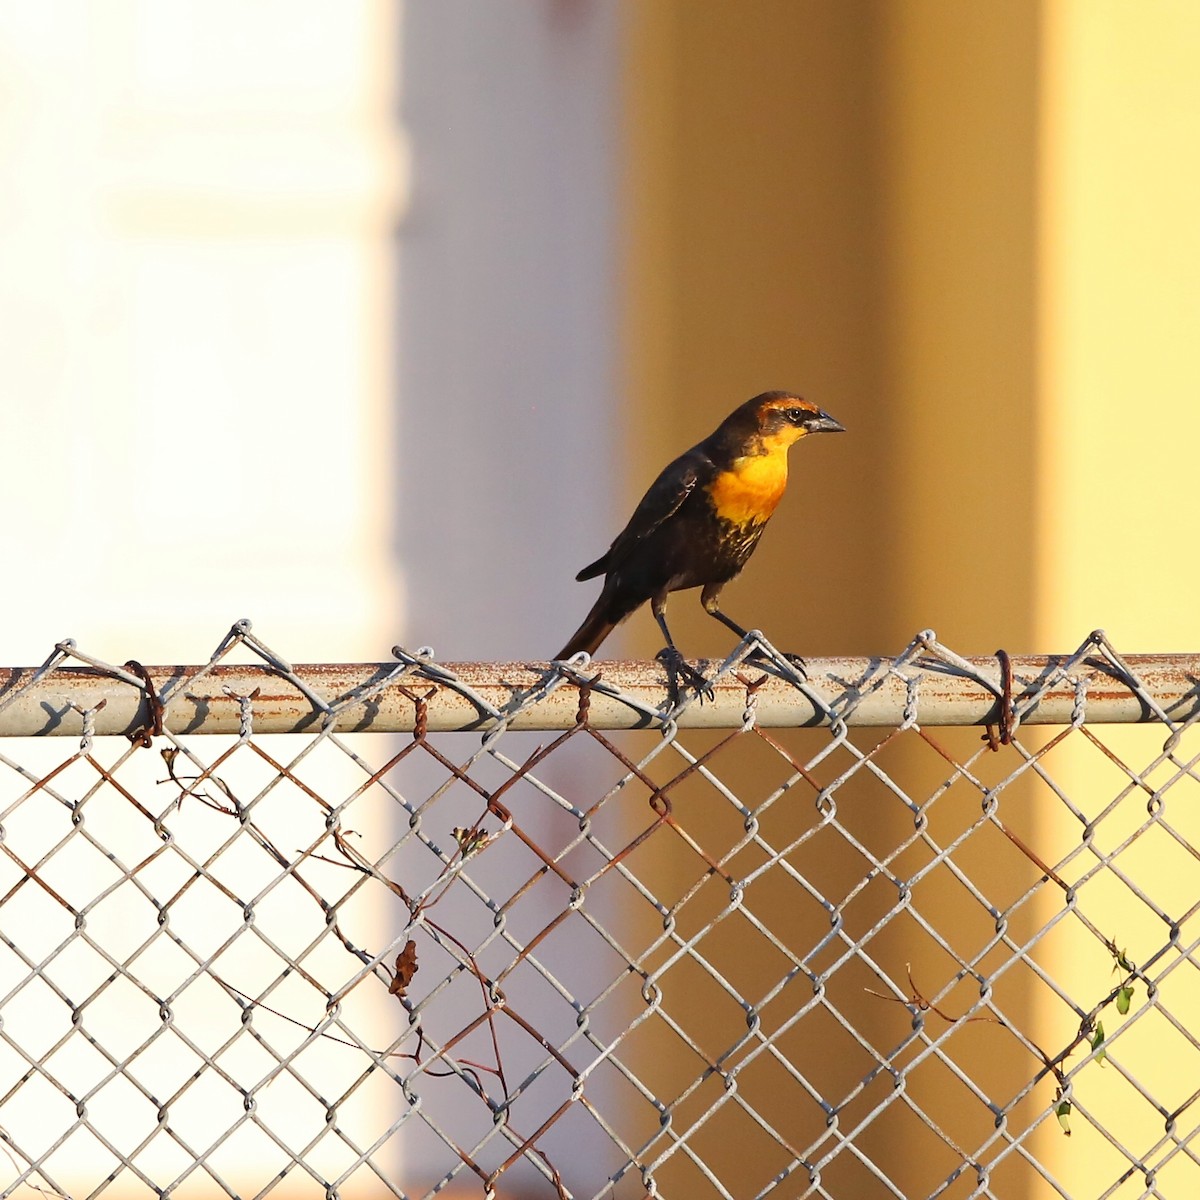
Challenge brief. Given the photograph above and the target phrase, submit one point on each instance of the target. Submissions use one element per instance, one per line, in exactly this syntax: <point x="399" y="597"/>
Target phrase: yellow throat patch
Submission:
<point x="749" y="491"/>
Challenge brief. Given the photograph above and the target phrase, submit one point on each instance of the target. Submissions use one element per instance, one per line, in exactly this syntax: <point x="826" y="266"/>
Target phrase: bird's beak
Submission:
<point x="824" y="423"/>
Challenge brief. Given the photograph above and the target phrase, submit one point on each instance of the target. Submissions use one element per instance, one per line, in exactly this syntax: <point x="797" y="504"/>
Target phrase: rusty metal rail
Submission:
<point x="443" y="697"/>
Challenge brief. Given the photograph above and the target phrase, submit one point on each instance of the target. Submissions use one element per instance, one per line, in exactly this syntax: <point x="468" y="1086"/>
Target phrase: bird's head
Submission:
<point x="781" y="418"/>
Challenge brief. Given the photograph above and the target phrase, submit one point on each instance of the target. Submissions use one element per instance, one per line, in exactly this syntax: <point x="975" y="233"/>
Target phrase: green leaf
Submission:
<point x="1124" y="996"/>
<point x="1098" y="1043"/>
<point x="1063" y="1112"/>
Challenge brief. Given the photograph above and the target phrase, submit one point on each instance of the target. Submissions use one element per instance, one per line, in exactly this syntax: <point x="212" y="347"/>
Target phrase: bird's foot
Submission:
<point x="679" y="668"/>
<point x="761" y="657"/>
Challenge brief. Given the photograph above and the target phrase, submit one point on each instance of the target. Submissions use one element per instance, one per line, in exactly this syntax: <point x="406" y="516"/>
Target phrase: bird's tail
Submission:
<point x="597" y="625"/>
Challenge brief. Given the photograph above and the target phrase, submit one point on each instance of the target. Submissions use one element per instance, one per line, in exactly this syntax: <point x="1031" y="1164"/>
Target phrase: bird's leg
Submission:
<point x="710" y="598"/>
<point x="675" y="663"/>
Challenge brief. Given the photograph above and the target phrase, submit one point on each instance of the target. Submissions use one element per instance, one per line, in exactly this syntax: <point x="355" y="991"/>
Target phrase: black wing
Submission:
<point x="663" y="499"/>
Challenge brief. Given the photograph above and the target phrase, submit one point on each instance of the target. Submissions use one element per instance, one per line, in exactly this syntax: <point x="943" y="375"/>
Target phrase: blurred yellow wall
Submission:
<point x="969" y="231"/>
<point x="1118" y="331"/>
<point x="1119" y="320"/>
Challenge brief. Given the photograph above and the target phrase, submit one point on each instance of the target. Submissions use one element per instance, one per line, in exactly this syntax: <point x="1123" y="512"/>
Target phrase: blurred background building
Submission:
<point x="369" y="321"/>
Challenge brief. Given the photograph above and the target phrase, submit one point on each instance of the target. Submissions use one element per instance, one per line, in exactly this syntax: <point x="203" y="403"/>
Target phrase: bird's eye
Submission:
<point x="796" y="415"/>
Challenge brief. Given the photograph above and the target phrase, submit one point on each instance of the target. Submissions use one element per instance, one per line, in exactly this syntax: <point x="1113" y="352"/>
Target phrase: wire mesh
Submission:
<point x="825" y="958"/>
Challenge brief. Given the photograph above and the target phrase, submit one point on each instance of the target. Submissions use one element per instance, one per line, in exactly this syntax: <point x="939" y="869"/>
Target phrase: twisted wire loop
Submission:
<point x="430" y="928"/>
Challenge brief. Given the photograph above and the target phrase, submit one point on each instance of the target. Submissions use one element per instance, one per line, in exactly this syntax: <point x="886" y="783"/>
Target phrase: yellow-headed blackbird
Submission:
<point x="700" y="520"/>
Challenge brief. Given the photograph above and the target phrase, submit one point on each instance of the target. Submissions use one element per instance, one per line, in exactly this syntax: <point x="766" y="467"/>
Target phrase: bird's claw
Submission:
<point x="798" y="662"/>
<point x="679" y="668"/>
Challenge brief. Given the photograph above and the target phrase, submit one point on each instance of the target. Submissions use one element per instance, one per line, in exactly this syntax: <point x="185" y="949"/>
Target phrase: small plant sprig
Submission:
<point x="1091" y="1028"/>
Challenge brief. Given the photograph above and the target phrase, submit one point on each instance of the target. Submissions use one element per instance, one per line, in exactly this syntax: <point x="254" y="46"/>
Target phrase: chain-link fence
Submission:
<point x="366" y="930"/>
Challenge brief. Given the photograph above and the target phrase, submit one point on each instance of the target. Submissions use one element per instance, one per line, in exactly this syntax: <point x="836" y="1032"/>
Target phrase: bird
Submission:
<point x="700" y="521"/>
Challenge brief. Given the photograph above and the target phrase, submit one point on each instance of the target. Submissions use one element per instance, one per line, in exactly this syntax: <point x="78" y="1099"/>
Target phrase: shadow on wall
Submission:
<point x="505" y="364"/>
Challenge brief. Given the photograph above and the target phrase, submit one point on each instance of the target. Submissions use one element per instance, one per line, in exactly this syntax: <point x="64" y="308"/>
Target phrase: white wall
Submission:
<point x="197" y="203"/>
<point x="195" y="206"/>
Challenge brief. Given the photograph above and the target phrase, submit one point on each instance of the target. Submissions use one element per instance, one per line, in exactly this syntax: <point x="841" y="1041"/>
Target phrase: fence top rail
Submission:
<point x="927" y="684"/>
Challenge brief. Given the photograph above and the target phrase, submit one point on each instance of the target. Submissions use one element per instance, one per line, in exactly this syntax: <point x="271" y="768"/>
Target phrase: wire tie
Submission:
<point x="145" y="736"/>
